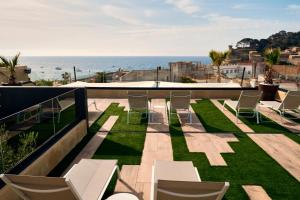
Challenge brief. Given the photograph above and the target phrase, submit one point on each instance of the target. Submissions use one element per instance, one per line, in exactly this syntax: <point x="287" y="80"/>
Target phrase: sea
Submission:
<point x="52" y="67"/>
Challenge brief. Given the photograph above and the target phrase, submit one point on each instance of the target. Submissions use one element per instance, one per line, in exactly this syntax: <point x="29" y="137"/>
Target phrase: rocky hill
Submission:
<point x="280" y="40"/>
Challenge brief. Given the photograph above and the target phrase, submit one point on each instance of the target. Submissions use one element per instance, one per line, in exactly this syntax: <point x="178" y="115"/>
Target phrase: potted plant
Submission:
<point x="11" y="66"/>
<point x="218" y="58"/>
<point x="268" y="88"/>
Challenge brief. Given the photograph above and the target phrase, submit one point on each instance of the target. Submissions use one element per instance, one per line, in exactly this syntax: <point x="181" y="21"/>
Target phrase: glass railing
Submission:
<point x="25" y="131"/>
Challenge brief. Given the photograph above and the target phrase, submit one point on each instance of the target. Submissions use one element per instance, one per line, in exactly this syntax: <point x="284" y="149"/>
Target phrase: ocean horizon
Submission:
<point x="52" y="67"/>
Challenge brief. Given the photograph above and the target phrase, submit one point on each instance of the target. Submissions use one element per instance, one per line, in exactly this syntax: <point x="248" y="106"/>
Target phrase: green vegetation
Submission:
<point x="11" y="66"/>
<point x="271" y="58"/>
<point x="248" y="165"/>
<point x="43" y="82"/>
<point x="218" y="58"/>
<point x="11" y="155"/>
<point x="266" y="126"/>
<point x="186" y="79"/>
<point x="100" y="77"/>
<point x="282" y="40"/>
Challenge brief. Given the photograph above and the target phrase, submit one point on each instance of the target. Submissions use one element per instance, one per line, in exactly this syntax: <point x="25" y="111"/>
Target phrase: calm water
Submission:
<point x="45" y="67"/>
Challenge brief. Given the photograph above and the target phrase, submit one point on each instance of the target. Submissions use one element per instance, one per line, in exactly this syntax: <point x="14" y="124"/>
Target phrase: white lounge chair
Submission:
<point x="179" y="101"/>
<point x="291" y="102"/>
<point x="138" y="102"/>
<point x="86" y="180"/>
<point x="247" y="103"/>
<point x="179" y="180"/>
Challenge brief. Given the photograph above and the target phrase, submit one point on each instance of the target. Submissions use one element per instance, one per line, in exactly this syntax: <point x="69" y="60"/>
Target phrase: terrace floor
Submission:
<point x="261" y="161"/>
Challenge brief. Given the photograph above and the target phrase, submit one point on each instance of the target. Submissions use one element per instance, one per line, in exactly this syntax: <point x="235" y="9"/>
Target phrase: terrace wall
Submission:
<point x="48" y="160"/>
<point x="164" y="93"/>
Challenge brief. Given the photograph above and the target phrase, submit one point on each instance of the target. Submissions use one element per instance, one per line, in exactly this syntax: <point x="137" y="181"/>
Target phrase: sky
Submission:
<point x="138" y="27"/>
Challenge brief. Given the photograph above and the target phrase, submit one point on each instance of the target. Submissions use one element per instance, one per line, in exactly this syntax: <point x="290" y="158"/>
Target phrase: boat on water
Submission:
<point x="58" y="68"/>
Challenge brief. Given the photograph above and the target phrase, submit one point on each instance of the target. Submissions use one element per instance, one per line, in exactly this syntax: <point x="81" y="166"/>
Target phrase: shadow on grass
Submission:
<point x="249" y="165"/>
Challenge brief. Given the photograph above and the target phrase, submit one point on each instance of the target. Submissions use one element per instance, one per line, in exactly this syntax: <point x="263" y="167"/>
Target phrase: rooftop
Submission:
<point x="260" y="161"/>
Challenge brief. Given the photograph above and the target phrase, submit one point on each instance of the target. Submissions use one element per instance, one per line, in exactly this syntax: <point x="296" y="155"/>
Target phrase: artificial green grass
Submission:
<point x="248" y="165"/>
<point x="62" y="166"/>
<point x="266" y="126"/>
<point x="125" y="142"/>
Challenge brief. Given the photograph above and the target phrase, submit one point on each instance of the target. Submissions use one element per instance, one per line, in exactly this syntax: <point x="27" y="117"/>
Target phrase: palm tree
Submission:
<point x="218" y="58"/>
<point x="271" y="58"/>
<point x="11" y="66"/>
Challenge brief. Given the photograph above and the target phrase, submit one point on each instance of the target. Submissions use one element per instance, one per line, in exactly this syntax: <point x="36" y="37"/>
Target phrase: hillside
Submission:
<point x="280" y="40"/>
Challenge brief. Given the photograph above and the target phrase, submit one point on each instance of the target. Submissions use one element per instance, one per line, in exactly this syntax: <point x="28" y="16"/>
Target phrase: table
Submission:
<point x="123" y="196"/>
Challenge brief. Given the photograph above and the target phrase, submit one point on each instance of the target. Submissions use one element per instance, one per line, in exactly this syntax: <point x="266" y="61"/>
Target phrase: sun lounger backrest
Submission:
<point x="137" y="100"/>
<point x="185" y="190"/>
<point x="180" y="99"/>
<point x="38" y="187"/>
<point x="249" y="99"/>
<point x="291" y="100"/>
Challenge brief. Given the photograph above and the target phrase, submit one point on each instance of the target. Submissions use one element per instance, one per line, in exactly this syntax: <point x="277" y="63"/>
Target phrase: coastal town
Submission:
<point x="244" y="65"/>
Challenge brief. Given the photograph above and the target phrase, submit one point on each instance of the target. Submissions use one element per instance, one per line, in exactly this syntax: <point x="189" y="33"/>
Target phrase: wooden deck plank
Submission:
<point x="136" y="179"/>
<point x="273" y="115"/>
<point x="91" y="147"/>
<point x="282" y="149"/>
<point x="255" y="192"/>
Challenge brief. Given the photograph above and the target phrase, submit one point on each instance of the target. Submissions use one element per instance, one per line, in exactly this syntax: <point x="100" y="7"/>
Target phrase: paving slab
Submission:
<point x="91" y="147"/>
<point x="136" y="179"/>
<point x="273" y="115"/>
<point x="282" y="149"/>
<point x="198" y="140"/>
<point x="256" y="192"/>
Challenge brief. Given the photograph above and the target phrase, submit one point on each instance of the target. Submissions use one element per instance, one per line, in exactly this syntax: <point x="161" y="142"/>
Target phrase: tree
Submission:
<point x="100" y="77"/>
<point x="11" y="66"/>
<point x="218" y="58"/>
<point x="271" y="58"/>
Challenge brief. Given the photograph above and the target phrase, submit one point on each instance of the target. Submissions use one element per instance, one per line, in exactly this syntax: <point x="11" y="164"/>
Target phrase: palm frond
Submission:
<point x="4" y="61"/>
<point x="15" y="59"/>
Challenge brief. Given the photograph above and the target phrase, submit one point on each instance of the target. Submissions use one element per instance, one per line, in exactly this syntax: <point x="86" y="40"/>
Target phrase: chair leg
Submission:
<point x="223" y="105"/>
<point x="128" y="117"/>
<point x="257" y="117"/>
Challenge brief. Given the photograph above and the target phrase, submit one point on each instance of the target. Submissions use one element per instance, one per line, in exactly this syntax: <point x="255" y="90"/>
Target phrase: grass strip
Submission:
<point x="249" y="165"/>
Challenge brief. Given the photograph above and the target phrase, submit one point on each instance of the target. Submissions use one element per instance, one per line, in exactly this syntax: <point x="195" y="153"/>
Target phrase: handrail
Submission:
<point x="37" y="104"/>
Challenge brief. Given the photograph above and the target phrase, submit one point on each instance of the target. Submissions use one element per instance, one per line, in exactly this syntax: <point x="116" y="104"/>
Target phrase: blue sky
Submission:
<point x="139" y="27"/>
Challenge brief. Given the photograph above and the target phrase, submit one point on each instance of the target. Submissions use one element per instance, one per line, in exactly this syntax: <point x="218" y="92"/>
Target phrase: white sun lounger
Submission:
<point x="87" y="180"/>
<point x="179" y="101"/>
<point x="247" y="103"/>
<point x="138" y="102"/>
<point x="179" y="180"/>
<point x="291" y="102"/>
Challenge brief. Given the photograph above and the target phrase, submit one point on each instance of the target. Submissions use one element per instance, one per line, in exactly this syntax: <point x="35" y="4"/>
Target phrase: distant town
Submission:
<point x="244" y="65"/>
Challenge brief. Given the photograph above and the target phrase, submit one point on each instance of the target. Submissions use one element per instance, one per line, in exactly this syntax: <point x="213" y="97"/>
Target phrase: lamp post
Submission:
<point x="157" y="69"/>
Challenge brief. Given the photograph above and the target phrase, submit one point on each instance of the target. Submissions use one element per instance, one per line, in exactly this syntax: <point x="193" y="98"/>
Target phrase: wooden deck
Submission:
<point x="282" y="149"/>
<point x="198" y="140"/>
<point x="89" y="150"/>
<point x="288" y="124"/>
<point x="255" y="192"/>
<point x="137" y="178"/>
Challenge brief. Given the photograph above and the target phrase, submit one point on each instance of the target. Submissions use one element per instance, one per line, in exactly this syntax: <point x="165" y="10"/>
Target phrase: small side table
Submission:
<point x="123" y="196"/>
